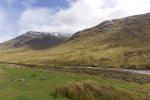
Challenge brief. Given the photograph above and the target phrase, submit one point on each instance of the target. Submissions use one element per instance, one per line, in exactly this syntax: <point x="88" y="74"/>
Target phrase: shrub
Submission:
<point x="91" y="90"/>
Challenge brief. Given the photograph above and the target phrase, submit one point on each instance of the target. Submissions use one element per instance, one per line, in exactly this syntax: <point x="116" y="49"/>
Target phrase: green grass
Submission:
<point x="38" y="84"/>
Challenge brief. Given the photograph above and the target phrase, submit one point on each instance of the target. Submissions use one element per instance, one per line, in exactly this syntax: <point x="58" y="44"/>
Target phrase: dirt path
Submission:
<point x="139" y="76"/>
<point x="146" y="72"/>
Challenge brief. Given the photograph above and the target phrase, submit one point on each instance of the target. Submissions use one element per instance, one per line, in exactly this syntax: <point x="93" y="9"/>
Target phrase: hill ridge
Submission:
<point x="36" y="40"/>
<point x="119" y="43"/>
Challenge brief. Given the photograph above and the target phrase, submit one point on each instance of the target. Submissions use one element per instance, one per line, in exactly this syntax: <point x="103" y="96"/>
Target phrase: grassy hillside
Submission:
<point x="120" y="43"/>
<point x="38" y="84"/>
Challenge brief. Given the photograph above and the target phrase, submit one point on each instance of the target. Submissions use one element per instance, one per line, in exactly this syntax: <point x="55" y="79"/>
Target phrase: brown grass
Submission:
<point x="90" y="90"/>
<point x="123" y="44"/>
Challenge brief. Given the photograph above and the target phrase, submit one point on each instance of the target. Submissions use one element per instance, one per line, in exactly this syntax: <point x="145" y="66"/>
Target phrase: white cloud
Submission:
<point x="35" y="17"/>
<point x="5" y="27"/>
<point x="81" y="14"/>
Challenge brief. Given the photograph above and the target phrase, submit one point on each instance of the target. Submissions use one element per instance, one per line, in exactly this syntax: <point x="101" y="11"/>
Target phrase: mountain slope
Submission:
<point x="121" y="43"/>
<point x="35" y="40"/>
<point x="135" y="29"/>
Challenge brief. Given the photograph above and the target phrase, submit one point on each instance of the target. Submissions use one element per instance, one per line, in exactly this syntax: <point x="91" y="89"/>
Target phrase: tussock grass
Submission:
<point x="91" y="90"/>
<point x="38" y="84"/>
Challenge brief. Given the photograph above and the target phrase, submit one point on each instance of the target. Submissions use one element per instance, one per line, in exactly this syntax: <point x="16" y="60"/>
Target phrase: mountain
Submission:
<point x="129" y="31"/>
<point x="119" y="43"/>
<point x="35" y="40"/>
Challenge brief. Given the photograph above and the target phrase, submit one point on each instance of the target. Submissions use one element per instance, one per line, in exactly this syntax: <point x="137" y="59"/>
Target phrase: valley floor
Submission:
<point x="39" y="84"/>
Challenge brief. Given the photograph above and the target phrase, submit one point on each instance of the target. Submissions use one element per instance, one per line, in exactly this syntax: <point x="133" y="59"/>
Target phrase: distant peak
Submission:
<point x="44" y="33"/>
<point x="36" y="40"/>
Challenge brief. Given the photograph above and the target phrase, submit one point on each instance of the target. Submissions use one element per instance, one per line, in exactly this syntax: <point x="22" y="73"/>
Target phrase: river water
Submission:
<point x="147" y="72"/>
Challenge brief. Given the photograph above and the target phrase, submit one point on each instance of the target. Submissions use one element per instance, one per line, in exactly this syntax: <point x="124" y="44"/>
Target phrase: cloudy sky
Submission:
<point x="64" y="16"/>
